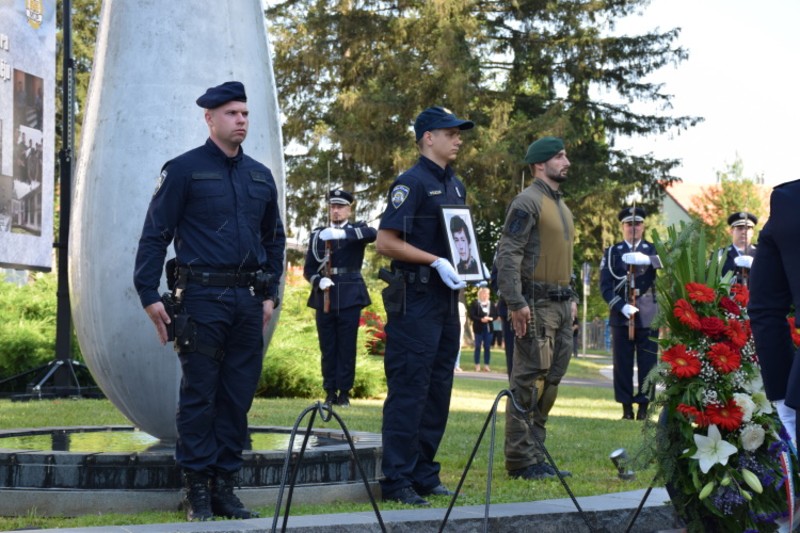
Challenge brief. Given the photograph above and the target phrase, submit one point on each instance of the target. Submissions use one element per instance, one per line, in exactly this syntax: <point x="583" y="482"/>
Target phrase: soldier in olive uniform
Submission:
<point x="534" y="266"/>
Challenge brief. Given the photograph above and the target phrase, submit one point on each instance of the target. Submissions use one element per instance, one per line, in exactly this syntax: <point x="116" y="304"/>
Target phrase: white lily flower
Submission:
<point x="763" y="405"/>
<point x="755" y="385"/>
<point x="712" y="449"/>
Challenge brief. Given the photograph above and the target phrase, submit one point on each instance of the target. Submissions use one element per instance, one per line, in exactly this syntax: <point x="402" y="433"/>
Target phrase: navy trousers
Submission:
<point x="643" y="349"/>
<point x="421" y="349"/>
<point x="338" y="334"/>
<point x="215" y="395"/>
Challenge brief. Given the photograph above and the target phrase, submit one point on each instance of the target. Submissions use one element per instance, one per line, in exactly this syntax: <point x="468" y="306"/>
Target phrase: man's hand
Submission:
<point x="629" y="310"/>
<point x="520" y="319"/>
<point x="269" y="307"/>
<point x="332" y="234"/>
<point x="636" y="258"/>
<point x="743" y="261"/>
<point x="325" y="283"/>
<point x="448" y="274"/>
<point x="160" y="319"/>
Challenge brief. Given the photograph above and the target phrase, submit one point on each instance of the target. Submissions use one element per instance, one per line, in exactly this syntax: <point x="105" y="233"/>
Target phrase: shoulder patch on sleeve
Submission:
<point x="399" y="195"/>
<point x="161" y="178"/>
<point x="517" y="221"/>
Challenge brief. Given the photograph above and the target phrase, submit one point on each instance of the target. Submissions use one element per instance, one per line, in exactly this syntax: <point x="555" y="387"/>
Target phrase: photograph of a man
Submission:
<point x="459" y="231"/>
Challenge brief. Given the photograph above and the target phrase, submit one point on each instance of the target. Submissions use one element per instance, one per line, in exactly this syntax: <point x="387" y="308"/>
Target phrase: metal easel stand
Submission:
<point x="326" y="412"/>
<point x="492" y="418"/>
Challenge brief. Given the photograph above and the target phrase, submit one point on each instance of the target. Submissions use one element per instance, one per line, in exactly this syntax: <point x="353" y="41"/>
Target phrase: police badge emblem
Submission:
<point x="161" y="178"/>
<point x="399" y="195"/>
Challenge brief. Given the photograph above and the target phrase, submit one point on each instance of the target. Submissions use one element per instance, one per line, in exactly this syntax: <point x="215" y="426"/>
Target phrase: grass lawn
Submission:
<point x="584" y="428"/>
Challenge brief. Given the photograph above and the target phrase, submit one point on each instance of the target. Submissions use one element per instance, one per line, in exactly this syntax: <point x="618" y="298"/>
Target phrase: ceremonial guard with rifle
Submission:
<point x="338" y="293"/>
<point x="627" y="283"/>
<point x="738" y="256"/>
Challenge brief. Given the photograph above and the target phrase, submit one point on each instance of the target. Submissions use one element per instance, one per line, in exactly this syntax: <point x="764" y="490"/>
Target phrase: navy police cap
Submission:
<point x="632" y="214"/>
<point x="742" y="218"/>
<point x="436" y="118"/>
<point x="338" y="196"/>
<point x="222" y="94"/>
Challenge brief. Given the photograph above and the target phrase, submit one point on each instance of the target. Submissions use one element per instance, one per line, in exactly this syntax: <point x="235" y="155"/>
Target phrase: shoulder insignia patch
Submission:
<point x="399" y="195"/>
<point x="517" y="221"/>
<point x="161" y="178"/>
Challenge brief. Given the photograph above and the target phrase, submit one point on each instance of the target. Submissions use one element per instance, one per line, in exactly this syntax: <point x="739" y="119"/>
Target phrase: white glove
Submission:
<point x="636" y="258"/>
<point x="332" y="234"/>
<point x="743" y="261"/>
<point x="629" y="310"/>
<point x="448" y="274"/>
<point x="325" y="283"/>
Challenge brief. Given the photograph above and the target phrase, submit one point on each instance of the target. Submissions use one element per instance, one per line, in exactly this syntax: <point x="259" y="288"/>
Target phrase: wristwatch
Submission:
<point x="276" y="300"/>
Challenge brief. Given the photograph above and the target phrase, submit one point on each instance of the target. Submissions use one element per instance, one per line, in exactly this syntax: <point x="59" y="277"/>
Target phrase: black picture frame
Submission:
<point x="462" y="242"/>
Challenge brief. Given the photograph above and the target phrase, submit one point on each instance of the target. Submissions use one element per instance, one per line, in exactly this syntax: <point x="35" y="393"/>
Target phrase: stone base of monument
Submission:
<point x="66" y="471"/>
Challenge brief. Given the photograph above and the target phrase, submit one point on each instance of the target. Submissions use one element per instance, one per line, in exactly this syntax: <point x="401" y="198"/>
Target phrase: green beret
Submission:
<point x="543" y="149"/>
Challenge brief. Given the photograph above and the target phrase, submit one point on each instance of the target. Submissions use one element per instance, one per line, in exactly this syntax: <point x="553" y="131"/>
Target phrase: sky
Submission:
<point x="741" y="75"/>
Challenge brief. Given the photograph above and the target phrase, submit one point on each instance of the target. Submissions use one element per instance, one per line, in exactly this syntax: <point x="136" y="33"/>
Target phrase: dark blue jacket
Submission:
<point x="347" y="255"/>
<point x="414" y="209"/>
<point x="613" y="286"/>
<point x="729" y="254"/>
<point x="222" y="213"/>
<point x="775" y="292"/>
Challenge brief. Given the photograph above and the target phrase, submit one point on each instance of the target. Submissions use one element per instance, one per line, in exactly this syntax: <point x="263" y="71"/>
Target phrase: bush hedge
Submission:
<point x="291" y="365"/>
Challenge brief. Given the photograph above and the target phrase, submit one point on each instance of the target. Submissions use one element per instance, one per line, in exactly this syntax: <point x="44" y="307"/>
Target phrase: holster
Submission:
<point x="171" y="307"/>
<point x="394" y="293"/>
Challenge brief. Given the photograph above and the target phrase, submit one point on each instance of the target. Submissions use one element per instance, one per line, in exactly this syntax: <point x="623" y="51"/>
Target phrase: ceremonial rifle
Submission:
<point x="631" y="282"/>
<point x="326" y="297"/>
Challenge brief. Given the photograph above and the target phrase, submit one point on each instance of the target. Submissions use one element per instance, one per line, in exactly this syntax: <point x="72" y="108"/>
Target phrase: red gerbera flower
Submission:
<point x="698" y="292"/>
<point x="724" y="358"/>
<point x="712" y="326"/>
<point x="741" y="294"/>
<point x="693" y="413"/>
<point x="684" y="364"/>
<point x="736" y="334"/>
<point x="686" y="314"/>
<point x="730" y="306"/>
<point x="728" y="416"/>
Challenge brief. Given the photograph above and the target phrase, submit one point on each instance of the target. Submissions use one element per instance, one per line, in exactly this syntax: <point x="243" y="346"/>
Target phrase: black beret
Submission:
<point x="338" y="196"/>
<point x="742" y="218"/>
<point x="543" y="150"/>
<point x="436" y="118"/>
<point x="222" y="94"/>
<point x="632" y="214"/>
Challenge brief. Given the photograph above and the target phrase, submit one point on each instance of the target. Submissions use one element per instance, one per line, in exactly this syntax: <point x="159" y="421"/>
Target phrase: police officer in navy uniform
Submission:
<point x="337" y="328"/>
<point x="632" y="253"/>
<point x="738" y="256"/>
<point x="422" y="330"/>
<point x="775" y="293"/>
<point x="220" y="207"/>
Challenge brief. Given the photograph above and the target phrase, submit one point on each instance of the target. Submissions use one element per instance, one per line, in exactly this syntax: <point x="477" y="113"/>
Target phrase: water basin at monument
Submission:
<point x="122" y="458"/>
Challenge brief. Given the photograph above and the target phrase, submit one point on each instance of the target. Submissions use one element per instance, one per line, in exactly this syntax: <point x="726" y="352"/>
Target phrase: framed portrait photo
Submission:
<point x="462" y="242"/>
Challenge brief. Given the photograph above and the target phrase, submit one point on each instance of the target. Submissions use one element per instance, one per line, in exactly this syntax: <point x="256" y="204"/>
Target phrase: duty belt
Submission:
<point x="223" y="279"/>
<point x="548" y="291"/>
<point x="344" y="270"/>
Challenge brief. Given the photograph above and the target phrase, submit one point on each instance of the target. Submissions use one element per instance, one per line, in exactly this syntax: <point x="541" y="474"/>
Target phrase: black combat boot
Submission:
<point x="224" y="502"/>
<point x="641" y="413"/>
<point x="197" y="498"/>
<point x="627" y="411"/>
<point x="344" y="399"/>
